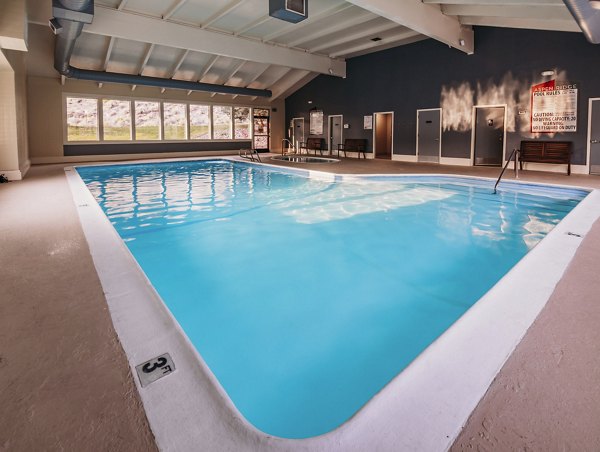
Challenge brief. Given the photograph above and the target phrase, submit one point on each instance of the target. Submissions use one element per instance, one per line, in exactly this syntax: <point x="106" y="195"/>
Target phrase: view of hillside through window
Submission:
<point x="221" y="122"/>
<point x="82" y="119"/>
<point x="156" y="120"/>
<point x="243" y="129"/>
<point x="147" y="120"/>
<point x="199" y="122"/>
<point x="175" y="121"/>
<point x="116" y="118"/>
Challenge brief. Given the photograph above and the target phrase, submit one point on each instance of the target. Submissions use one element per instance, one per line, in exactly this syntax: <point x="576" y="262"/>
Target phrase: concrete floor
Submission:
<point x="65" y="383"/>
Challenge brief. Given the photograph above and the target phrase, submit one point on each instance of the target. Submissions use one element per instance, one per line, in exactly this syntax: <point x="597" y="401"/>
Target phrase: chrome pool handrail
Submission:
<point x="290" y="145"/>
<point x="515" y="153"/>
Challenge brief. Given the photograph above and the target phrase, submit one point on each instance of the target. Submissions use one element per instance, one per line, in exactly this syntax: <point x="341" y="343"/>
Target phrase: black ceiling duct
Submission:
<point x="69" y="18"/>
<point x="292" y="11"/>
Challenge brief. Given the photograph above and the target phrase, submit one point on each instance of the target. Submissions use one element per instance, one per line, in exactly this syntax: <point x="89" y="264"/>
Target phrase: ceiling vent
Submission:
<point x="292" y="11"/>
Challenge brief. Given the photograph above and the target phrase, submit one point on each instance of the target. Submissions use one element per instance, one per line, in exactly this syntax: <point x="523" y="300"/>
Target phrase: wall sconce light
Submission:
<point x="461" y="42"/>
<point x="310" y="101"/>
<point x="548" y="73"/>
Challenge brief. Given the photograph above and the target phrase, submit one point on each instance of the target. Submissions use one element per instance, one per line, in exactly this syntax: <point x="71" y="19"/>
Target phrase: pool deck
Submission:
<point x="65" y="383"/>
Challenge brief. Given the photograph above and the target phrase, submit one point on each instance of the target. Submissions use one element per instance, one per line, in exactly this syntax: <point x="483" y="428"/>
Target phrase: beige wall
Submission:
<point x="46" y="113"/>
<point x="45" y="93"/>
<point x="14" y="161"/>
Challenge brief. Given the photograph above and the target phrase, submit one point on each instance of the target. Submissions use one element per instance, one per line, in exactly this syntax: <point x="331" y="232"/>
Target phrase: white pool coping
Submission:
<point x="422" y="408"/>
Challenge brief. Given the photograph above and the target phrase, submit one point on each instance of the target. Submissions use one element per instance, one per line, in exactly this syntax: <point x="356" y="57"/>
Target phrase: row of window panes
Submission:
<point x="205" y="122"/>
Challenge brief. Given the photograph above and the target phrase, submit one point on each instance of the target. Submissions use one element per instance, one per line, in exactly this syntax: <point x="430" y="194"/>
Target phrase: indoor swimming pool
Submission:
<point x="306" y="296"/>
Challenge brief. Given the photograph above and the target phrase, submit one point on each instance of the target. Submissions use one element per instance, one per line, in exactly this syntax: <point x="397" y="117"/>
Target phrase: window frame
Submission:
<point x="131" y="99"/>
<point x="66" y="126"/>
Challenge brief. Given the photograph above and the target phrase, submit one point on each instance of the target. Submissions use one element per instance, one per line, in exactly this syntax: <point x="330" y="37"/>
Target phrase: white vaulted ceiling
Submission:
<point x="237" y="43"/>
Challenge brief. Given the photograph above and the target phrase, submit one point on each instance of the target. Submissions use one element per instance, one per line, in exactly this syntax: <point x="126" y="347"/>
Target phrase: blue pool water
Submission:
<point x="305" y="297"/>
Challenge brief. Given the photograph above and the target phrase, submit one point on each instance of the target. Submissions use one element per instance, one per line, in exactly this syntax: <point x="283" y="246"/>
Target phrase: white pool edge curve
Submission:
<point x="424" y="407"/>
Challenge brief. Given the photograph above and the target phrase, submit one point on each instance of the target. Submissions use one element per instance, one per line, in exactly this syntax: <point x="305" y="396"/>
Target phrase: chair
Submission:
<point x="354" y="145"/>
<point x="313" y="144"/>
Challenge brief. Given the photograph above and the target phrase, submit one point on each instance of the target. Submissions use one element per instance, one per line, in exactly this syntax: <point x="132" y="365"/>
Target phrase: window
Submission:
<point x="242" y="124"/>
<point x="108" y="119"/>
<point x="147" y="120"/>
<point x="199" y="122"/>
<point x="116" y="118"/>
<point x="82" y="119"/>
<point x="175" y="121"/>
<point x="221" y="123"/>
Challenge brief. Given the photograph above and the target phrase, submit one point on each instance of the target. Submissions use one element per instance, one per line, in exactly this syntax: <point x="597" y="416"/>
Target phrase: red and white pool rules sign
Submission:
<point x="554" y="107"/>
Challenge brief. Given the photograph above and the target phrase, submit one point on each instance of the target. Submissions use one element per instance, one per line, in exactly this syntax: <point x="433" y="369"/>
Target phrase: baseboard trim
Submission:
<point x="12" y="174"/>
<point x="556" y="168"/>
<point x="404" y="158"/>
<point x="25" y="167"/>
<point x="456" y="161"/>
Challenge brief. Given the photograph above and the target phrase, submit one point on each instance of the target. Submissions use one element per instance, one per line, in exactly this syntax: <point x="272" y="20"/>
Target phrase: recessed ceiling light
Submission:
<point x="547" y="73"/>
<point x="376" y="39"/>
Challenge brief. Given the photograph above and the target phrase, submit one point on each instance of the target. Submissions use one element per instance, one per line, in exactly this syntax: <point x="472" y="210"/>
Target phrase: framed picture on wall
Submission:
<point x="316" y="122"/>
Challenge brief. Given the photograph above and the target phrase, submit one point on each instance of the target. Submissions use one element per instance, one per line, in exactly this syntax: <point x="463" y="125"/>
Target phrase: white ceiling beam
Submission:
<point x="145" y="59"/>
<point x="173" y="9"/>
<point x="178" y="63"/>
<point x="126" y="25"/>
<point x="109" y="50"/>
<point x="222" y="12"/>
<point x="208" y="67"/>
<point x="424" y="18"/>
<point x="372" y="32"/>
<point x="496" y="2"/>
<point x="398" y="37"/>
<point x="224" y="79"/>
<point x="530" y="24"/>
<point x="554" y="12"/>
<point x="286" y="83"/>
<point x="251" y="25"/>
<point x="311" y="20"/>
<point x="350" y="22"/>
<point x="285" y="72"/>
<point x="257" y="75"/>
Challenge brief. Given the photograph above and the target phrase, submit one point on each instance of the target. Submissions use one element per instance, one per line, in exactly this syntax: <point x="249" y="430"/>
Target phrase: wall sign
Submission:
<point x="554" y="107"/>
<point x="316" y="122"/>
<point x="368" y="122"/>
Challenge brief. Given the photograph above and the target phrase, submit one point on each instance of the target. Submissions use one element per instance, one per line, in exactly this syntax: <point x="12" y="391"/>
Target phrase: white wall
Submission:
<point x="14" y="161"/>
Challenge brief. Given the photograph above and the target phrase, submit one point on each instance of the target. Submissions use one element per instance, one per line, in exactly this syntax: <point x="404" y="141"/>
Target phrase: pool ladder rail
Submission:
<point x="250" y="154"/>
<point x="514" y="153"/>
<point x="285" y="150"/>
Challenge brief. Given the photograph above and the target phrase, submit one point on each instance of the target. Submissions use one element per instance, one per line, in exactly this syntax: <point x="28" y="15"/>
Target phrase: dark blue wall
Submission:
<point x="505" y="65"/>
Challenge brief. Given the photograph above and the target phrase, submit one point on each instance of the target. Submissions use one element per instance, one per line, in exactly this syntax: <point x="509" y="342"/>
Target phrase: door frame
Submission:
<point x="588" y="165"/>
<point x="329" y="130"/>
<point x="375" y="130"/>
<point x="440" y="135"/>
<point x="474" y="123"/>
<point x="294" y="132"/>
